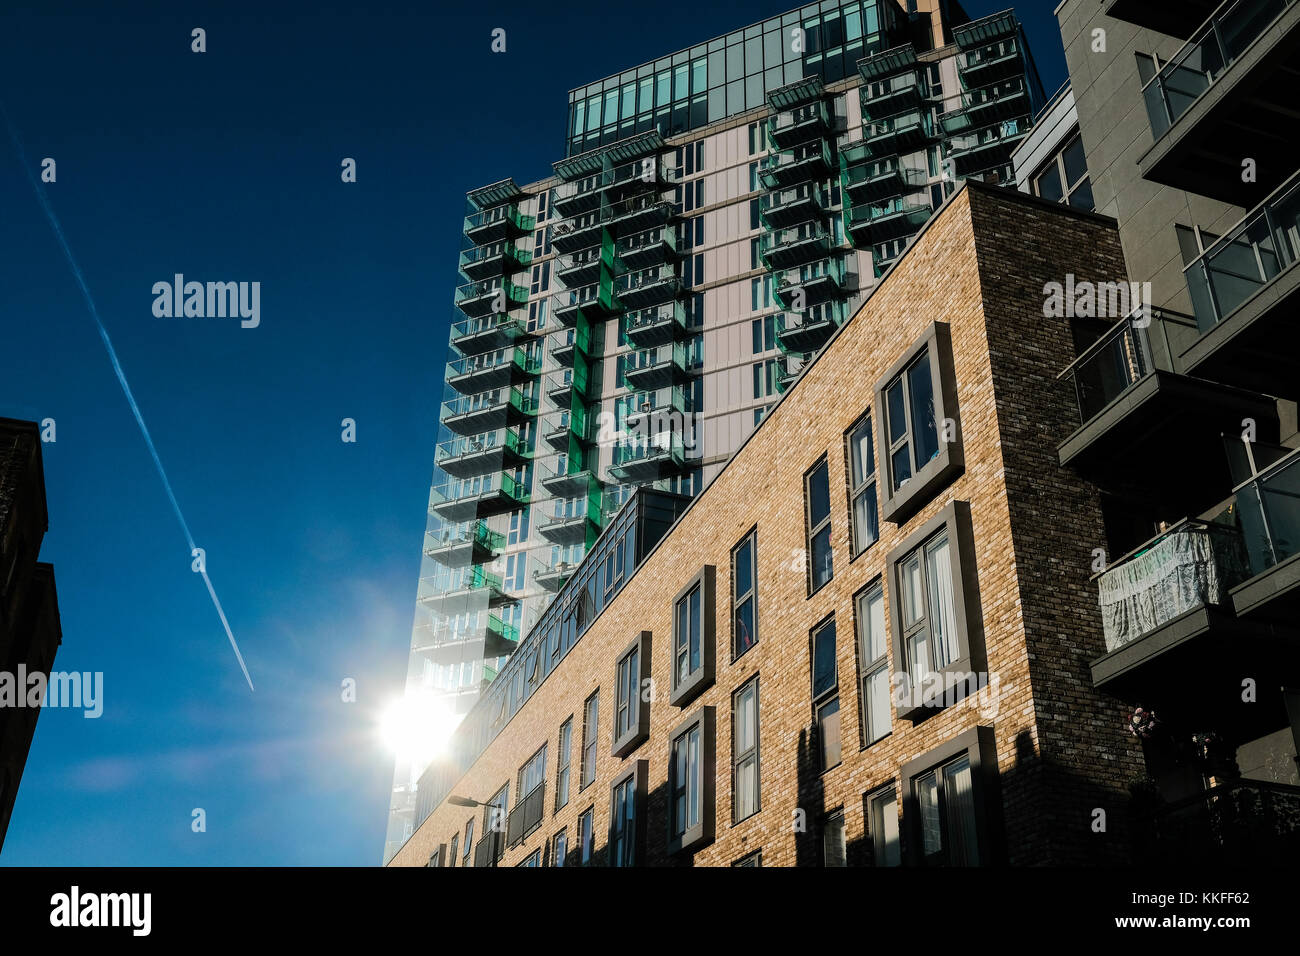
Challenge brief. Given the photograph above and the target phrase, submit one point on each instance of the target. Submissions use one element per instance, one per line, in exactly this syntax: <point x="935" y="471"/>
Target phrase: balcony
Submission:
<point x="565" y="386"/>
<point x="1268" y="513"/>
<point x="645" y="290"/>
<point x="1241" y="823"/>
<point x="789" y="207"/>
<point x="1147" y="432"/>
<point x="986" y="148"/>
<point x="472" y="589"/>
<point x="651" y="248"/>
<point x="647" y="328"/>
<point x="892" y="95"/>
<point x="790" y="248"/>
<point x="1175" y="18"/>
<point x="498" y="259"/>
<point x="476" y="544"/>
<point x="492" y="494"/>
<point x="892" y="219"/>
<point x="991" y="104"/>
<point x="810" y="161"/>
<point x="903" y="133"/>
<point x="570" y="426"/>
<point x="639" y="214"/>
<point x="1166" y="609"/>
<point x="494" y="225"/>
<point x="1244" y="295"/>
<point x="868" y="181"/>
<point x="568" y="527"/>
<point x="500" y="639"/>
<point x="480" y="373"/>
<point x="584" y="232"/>
<point x="611" y="185"/>
<point x="651" y="369"/>
<point x="1232" y="82"/>
<point x="477" y="299"/>
<point x="988" y="64"/>
<point x="788" y="370"/>
<point x="805" y="333"/>
<point x="584" y="267"/>
<point x="486" y="334"/>
<point x="647" y="461"/>
<point x="472" y="414"/>
<point x="568" y="484"/>
<point x="480" y="454"/>
<point x="790" y="127"/>
<point x="593" y="302"/>
<point x="527" y="816"/>
<point x="802" y="289"/>
<point x="552" y="579"/>
<point x="564" y="348"/>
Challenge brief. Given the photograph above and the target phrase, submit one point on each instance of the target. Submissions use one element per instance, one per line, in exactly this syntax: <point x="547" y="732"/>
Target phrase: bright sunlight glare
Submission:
<point x="416" y="727"/>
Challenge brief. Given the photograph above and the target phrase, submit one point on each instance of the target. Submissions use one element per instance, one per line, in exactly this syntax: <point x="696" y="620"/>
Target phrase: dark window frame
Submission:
<point x="980" y="746"/>
<point x="956" y="521"/>
<point x="683" y="690"/>
<point x="562" y="833"/>
<point x="825" y="829"/>
<point x="756" y="751"/>
<point x="749" y="538"/>
<point x="563" y="766"/>
<point x="701" y="834"/>
<point x="874" y="838"/>
<point x="590" y="741"/>
<point x="827" y="524"/>
<point x="638" y="730"/>
<point x="896" y="506"/>
<point x="869" y="485"/>
<point x="589" y="815"/>
<point x="828" y="696"/>
<point x="750" y="859"/>
<point x="869" y="668"/>
<point x="636" y="775"/>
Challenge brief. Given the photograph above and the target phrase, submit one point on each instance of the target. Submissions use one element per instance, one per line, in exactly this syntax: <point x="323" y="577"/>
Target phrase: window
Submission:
<point x="469" y="840"/>
<point x="532" y="780"/>
<point x="452" y="854"/>
<point x="1064" y="177"/>
<point x="925" y="587"/>
<point x="826" y="694"/>
<point x="563" y="761"/>
<point x="744" y="595"/>
<point x="833" y="847"/>
<point x="625" y="816"/>
<point x="494" y="823"/>
<point x="882" y="818"/>
<point x="693" y="637"/>
<point x="917" y="428"/>
<point x="873" y="664"/>
<point x="752" y="859"/>
<point x="862" y="486"/>
<point x="533" y="859"/>
<point x="435" y="858"/>
<point x="590" y="723"/>
<point x="586" y="836"/>
<point x="947" y="820"/>
<point x="631" y="719"/>
<point x="764" y="334"/>
<point x="691" y="776"/>
<point x="745" y="800"/>
<point x="764" y="378"/>
<point x="559" y="848"/>
<point x="817" y="498"/>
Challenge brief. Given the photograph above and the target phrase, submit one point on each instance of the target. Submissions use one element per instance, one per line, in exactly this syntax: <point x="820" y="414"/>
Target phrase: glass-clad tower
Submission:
<point x="628" y="320"/>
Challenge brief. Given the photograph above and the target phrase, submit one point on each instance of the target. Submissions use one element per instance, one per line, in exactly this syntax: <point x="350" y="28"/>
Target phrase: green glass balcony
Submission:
<point x="592" y="302"/>
<point x="482" y="453"/>
<point x="889" y="96"/>
<point x="898" y="134"/>
<point x="808" y="286"/>
<point x="880" y="222"/>
<point x="656" y="326"/>
<point x="477" y="299"/>
<point x="489" y="370"/>
<point x="791" y="127"/>
<point x="497" y="259"/>
<point x="472" y="414"/>
<point x="788" y="248"/>
<point x="810" y="161"/>
<point x="564" y="347"/>
<point x="644" y="290"/>
<point x="650" y="369"/>
<point x="564" y="483"/>
<point x="986" y="148"/>
<point x="487" y="333"/>
<point x="468" y="589"/>
<point x="645" y="174"/>
<point x="476" y="544"/>
<point x="788" y="369"/>
<point x="566" y="430"/>
<point x="581" y="233"/>
<point x="866" y="180"/>
<point x="574" y="521"/>
<point x="499" y="639"/>
<point x="639" y="214"/>
<point x="789" y="207"/>
<point x="988" y="64"/>
<point x="647" y="461"/>
<point x="804" y="333"/>
<point x="553" y="578"/>
<point x="1007" y="99"/>
<point x="583" y="268"/>
<point x="565" y="385"/>
<point x="651" y="248"/>
<point x="494" y="225"/>
<point x="463" y="499"/>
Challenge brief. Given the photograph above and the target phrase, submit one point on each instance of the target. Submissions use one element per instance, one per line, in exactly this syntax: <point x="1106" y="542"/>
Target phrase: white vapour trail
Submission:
<point x="121" y="378"/>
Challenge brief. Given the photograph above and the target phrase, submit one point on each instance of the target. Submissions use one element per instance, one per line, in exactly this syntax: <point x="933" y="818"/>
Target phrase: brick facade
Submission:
<point x="979" y="266"/>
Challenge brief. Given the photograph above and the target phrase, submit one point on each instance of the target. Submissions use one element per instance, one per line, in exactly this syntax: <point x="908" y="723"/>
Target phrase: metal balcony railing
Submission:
<point x="1268" y="511"/>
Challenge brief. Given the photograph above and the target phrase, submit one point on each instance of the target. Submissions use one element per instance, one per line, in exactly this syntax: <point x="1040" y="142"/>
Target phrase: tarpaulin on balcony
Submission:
<point x="1181" y="572"/>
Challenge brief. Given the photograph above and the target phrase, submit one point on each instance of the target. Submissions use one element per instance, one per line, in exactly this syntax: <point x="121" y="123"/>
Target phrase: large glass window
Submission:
<point x="873" y="659"/>
<point x="925" y="586"/>
<point x="689" y="635"/>
<point x="563" y="761"/>
<point x="625" y="708"/>
<point x="883" y="815"/>
<point x="833" y="846"/>
<point x="744" y="595"/>
<point x="744" y="752"/>
<point x="817" y="498"/>
<point x="622" y="826"/>
<point x="590" y="723"/>
<point x="912" y="429"/>
<point x="825" y="694"/>
<point x="862" y="482"/>
<point x="685" y="783"/>
<point x="947" y="814"/>
<point x="586" y="836"/>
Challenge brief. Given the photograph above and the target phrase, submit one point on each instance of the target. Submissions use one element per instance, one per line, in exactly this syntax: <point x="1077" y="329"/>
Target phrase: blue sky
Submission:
<point x="225" y="166"/>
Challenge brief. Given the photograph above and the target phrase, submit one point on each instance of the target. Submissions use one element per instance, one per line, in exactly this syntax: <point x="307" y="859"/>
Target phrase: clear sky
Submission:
<point x="225" y="166"/>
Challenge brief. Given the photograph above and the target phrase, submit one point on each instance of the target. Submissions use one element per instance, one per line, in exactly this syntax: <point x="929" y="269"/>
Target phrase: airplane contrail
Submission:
<point x="121" y="378"/>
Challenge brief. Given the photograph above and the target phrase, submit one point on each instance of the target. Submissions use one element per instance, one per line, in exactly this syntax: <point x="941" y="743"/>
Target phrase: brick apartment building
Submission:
<point x="30" y="634"/>
<point x="900" y="511"/>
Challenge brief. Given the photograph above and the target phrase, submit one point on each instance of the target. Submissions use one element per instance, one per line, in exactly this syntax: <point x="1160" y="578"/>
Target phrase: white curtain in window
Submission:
<point x="943" y="626"/>
<point x="878" y="703"/>
<point x="962" y="845"/>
